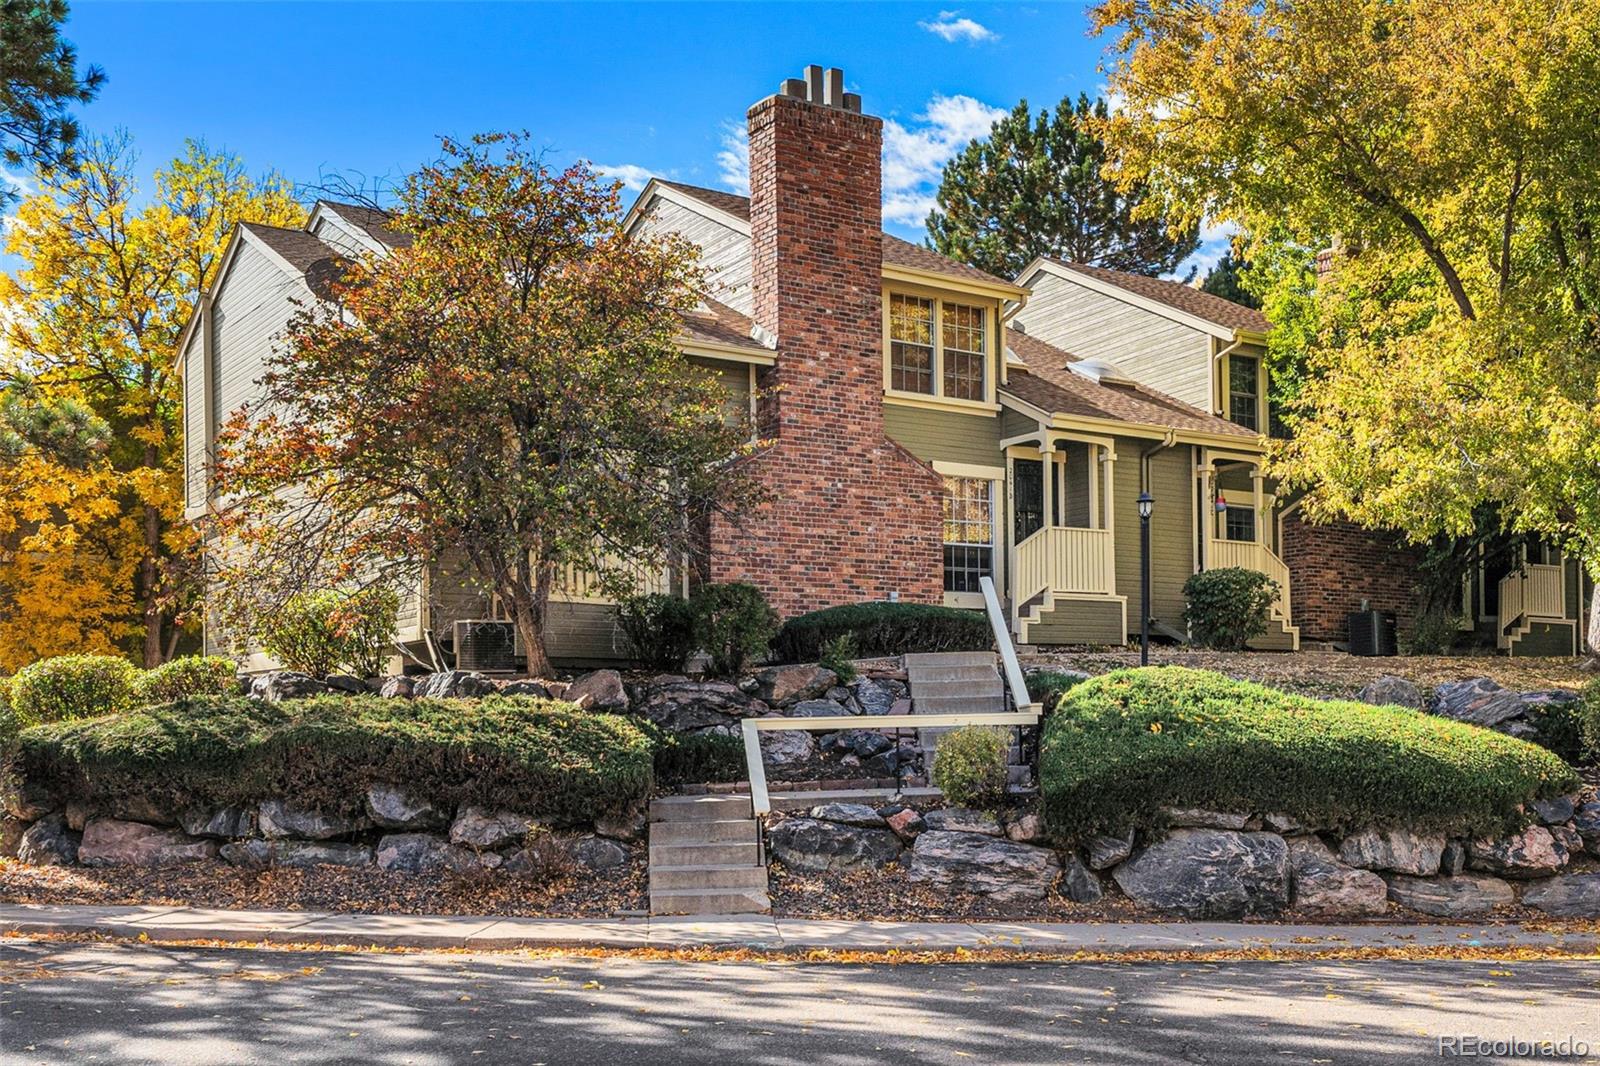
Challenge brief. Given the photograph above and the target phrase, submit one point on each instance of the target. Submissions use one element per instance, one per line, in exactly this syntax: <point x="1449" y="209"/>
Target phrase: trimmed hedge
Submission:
<point x="880" y="629"/>
<point x="539" y="757"/>
<point x="1123" y="745"/>
<point x="187" y="677"/>
<point x="1228" y="607"/>
<point x="73" y="686"/>
<point x="698" y="758"/>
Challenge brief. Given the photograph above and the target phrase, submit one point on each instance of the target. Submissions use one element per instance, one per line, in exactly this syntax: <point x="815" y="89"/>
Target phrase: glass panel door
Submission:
<point x="1027" y="497"/>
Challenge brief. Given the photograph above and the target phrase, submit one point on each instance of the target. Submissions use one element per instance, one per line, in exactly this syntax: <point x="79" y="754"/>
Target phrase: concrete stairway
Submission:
<point x="949" y="682"/>
<point x="706" y="857"/>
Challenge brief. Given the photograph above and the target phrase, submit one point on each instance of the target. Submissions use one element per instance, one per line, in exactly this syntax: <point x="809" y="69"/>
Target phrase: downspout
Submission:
<point x="1216" y="377"/>
<point x="1146" y="454"/>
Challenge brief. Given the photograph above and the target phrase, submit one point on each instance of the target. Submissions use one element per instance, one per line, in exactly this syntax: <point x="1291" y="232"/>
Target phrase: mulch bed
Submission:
<point x="1334" y="674"/>
<point x="329" y="888"/>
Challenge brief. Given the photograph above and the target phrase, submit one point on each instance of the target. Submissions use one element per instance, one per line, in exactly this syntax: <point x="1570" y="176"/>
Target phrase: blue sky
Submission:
<point x="364" y="89"/>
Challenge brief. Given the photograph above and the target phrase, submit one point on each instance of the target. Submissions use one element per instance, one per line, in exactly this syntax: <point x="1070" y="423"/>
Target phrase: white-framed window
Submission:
<point x="968" y="532"/>
<point x="1244" y="391"/>
<point x="1239" y="523"/>
<point x="938" y="348"/>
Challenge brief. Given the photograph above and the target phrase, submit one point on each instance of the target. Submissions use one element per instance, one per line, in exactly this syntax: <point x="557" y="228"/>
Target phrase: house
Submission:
<point x="930" y="424"/>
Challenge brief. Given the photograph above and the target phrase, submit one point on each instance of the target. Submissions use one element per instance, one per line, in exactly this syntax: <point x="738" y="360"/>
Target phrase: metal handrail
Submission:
<point x="1008" y="654"/>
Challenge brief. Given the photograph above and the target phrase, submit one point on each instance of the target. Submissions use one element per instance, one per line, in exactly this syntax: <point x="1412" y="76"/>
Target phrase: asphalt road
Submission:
<point x="67" y="1003"/>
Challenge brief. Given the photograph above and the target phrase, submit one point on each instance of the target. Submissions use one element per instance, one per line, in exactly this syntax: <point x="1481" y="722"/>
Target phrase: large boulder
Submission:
<point x="963" y="820"/>
<point x="1395" y="850"/>
<point x="1326" y="887"/>
<point x="1530" y="853"/>
<point x="598" y="691"/>
<point x="479" y="827"/>
<point x="11" y="830"/>
<point x="527" y="686"/>
<point x="397" y="687"/>
<point x="907" y="823"/>
<point x="29" y="801"/>
<point x="1586" y="820"/>
<point x="1391" y="691"/>
<point x="1557" y="810"/>
<point x="136" y="807"/>
<point x="786" y="747"/>
<point x="783" y="685"/>
<point x="1568" y="896"/>
<point x="278" y="685"/>
<point x="598" y="853"/>
<point x="629" y="825"/>
<point x="1450" y="897"/>
<point x="679" y="705"/>
<point x="983" y="865"/>
<point x="877" y="696"/>
<point x="857" y="814"/>
<point x="307" y="853"/>
<point x="1026" y="828"/>
<point x="423" y="853"/>
<point x="819" y="709"/>
<point x="1485" y="703"/>
<point x="112" y="842"/>
<point x="48" y="842"/>
<point x="1201" y="818"/>
<point x="247" y="853"/>
<point x="224" y="823"/>
<point x="1078" y="883"/>
<point x="862" y="743"/>
<point x="1210" y="873"/>
<point x="813" y="844"/>
<point x="281" y="818"/>
<point x="453" y="684"/>
<point x="1106" y="851"/>
<point x="392" y="807"/>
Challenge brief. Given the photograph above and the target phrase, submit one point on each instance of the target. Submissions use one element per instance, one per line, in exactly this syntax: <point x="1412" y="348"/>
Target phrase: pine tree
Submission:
<point x="1227" y="281"/>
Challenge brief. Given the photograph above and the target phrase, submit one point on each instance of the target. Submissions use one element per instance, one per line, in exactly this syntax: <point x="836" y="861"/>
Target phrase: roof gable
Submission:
<point x="1171" y="299"/>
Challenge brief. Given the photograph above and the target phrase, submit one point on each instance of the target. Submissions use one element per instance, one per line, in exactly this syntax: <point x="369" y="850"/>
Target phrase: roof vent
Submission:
<point x="1100" y="372"/>
<point x="824" y="88"/>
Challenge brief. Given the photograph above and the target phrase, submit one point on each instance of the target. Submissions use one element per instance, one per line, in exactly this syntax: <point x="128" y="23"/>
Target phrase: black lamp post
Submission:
<point x="1147" y="503"/>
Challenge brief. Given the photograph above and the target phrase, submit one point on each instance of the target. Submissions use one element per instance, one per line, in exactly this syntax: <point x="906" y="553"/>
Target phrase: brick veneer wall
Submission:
<point x="853" y="516"/>
<point x="1334" y="566"/>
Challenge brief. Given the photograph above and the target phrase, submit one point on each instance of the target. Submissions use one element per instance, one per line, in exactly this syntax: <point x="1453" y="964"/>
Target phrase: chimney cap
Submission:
<point x="824" y="88"/>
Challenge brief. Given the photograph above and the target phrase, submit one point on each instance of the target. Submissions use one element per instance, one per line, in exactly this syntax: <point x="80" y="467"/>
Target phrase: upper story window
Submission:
<point x="938" y="348"/>
<point x="1244" y="391"/>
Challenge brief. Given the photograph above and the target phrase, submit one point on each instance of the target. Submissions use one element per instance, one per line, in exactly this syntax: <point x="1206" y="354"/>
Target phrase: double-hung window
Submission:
<point x="1240" y="523"/>
<point x="910" y="344"/>
<point x="968" y="532"/>
<point x="963" y="352"/>
<point x="1244" y="391"/>
<point x="938" y="348"/>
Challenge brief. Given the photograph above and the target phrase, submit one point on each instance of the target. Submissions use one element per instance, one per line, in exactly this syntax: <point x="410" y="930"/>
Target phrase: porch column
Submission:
<point x="1258" y="495"/>
<point x="1207" y="510"/>
<point x="1108" y="460"/>
<point x="1047" y="453"/>
<point x="1092" y="453"/>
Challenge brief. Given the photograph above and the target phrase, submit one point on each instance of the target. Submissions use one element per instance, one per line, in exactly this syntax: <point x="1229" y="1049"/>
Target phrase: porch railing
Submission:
<point x="1066" y="559"/>
<point x="1534" y="590"/>
<point x="1249" y="555"/>
<point x="577" y="584"/>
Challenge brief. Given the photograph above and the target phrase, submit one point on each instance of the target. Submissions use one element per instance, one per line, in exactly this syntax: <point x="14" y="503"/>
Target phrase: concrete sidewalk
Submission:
<point x="759" y="932"/>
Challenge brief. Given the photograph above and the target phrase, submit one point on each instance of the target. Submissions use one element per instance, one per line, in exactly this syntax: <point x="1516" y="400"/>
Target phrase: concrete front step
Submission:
<point x="967" y="686"/>
<point x="723" y="854"/>
<point x="916" y="660"/>
<point x="710" y="901"/>
<point x="705" y="831"/>
<point x="938" y="674"/>
<point x="723" y="875"/>
<point x="995" y="704"/>
<point x="699" y="808"/>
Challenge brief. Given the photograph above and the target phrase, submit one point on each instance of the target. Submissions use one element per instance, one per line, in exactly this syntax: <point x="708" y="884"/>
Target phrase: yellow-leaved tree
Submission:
<point x="93" y="552"/>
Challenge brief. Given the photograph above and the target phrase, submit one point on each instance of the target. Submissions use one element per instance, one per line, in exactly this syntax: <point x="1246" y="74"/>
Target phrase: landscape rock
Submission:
<point x="1483" y="702"/>
<point x="1450" y="897"/>
<point x="1557" y="810"/>
<point x="783" y="685"/>
<point x="223" y="822"/>
<point x="113" y="842"/>
<point x="48" y="842"/>
<point x="247" y="853"/>
<point x="1106" y="851"/>
<point x="906" y="824"/>
<point x="817" y="709"/>
<point x="29" y="802"/>
<point x="1568" y="840"/>
<point x="421" y="853"/>
<point x="11" y="831"/>
<point x="1026" y="828"/>
<point x="598" y="853"/>
<point x="1210" y="874"/>
<point x="875" y="695"/>
<point x="1388" y="690"/>
<point x="856" y="814"/>
<point x="1395" y="850"/>
<point x="481" y="828"/>
<point x="136" y="807"/>
<point x="963" y="820"/>
<point x="812" y="844"/>
<point x="1199" y="818"/>
<point x="1283" y="824"/>
<point x="349" y="684"/>
<point x="1078" y="883"/>
<point x="679" y="705"/>
<point x="78" y="814"/>
<point x="280" y="818"/>
<point x="308" y="853"/>
<point x="1326" y="887"/>
<point x="983" y="865"/>
<point x="783" y="747"/>
<point x="392" y="807"/>
<point x="862" y="743"/>
<point x="397" y="687"/>
<point x="1530" y="853"/>
<point x="453" y="684"/>
<point x="1453" y="859"/>
<point x="1568" y="896"/>
<point x="278" y="685"/>
<point x="526" y="686"/>
<point x="598" y="691"/>
<point x="629" y="825"/>
<point x="1586" y="820"/>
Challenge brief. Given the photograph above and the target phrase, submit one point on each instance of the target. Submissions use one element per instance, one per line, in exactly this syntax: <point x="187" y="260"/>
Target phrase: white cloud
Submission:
<point x="632" y="176"/>
<point x="733" y="159"/>
<point x="1215" y="240"/>
<point x="914" y="155"/>
<point x="953" y="28"/>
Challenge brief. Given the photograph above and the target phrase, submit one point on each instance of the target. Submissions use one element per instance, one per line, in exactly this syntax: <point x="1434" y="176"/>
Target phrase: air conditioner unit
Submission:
<point x="486" y="645"/>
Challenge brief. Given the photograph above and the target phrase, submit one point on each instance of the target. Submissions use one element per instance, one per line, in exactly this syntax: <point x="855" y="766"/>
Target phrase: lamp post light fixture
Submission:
<point x="1147" y="504"/>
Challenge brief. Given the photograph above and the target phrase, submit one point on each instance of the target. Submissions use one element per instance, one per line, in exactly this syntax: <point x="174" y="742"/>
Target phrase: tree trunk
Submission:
<point x="530" y="601"/>
<point x="1592" y="637"/>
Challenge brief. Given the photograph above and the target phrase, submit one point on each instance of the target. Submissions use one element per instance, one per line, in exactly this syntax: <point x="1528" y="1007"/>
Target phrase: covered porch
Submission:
<point x="1235" y="528"/>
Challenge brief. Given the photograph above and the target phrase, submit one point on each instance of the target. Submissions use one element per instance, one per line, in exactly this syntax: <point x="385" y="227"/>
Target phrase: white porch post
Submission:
<point x="1258" y="495"/>
<point x="1208" y="522"/>
<point x="1047" y="453"/>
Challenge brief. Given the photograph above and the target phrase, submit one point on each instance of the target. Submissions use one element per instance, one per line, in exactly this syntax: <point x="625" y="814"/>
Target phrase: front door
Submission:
<point x="1027" y="498"/>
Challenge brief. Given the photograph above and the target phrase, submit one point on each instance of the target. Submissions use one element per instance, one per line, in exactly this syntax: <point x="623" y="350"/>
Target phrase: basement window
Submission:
<point x="968" y="532"/>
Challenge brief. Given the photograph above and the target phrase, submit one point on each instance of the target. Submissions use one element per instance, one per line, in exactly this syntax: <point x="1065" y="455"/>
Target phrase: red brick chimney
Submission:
<point x="854" y="517"/>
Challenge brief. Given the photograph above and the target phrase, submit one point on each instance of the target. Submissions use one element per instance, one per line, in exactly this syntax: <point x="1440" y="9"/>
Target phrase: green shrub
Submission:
<point x="1588" y="714"/>
<point x="539" y="757"/>
<point x="1046" y="687"/>
<point x="880" y="629"/>
<point x="969" y="766"/>
<point x="659" y="628"/>
<point x="1126" y="744"/>
<point x="732" y="624"/>
<point x="1431" y="633"/>
<point x="186" y="678"/>
<point x="839" y="655"/>
<point x="319" y="631"/>
<point x="698" y="758"/>
<point x="73" y="686"/>
<point x="1228" y="607"/>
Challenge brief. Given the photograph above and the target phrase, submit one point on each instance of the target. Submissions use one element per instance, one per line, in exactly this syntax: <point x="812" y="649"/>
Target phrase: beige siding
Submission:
<point x="253" y="305"/>
<point x="1163" y="354"/>
<point x="334" y="231"/>
<point x="584" y="633"/>
<point x="724" y="253"/>
<point x="1171" y="529"/>
<point x="194" y="419"/>
<point x="1080" y="622"/>
<point x="945" y="436"/>
<point x="735" y="381"/>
